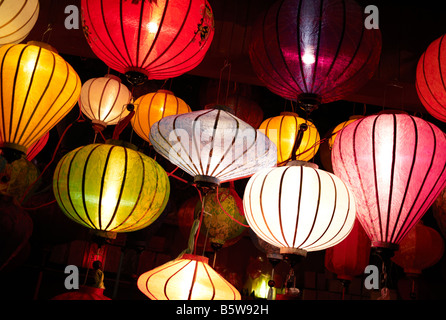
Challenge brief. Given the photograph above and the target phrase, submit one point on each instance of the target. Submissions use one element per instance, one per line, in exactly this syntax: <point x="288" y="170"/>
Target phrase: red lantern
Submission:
<point x="155" y="39"/>
<point x="395" y="164"/>
<point x="429" y="79"/>
<point x="349" y="258"/>
<point x="34" y="150"/>
<point x="314" y="51"/>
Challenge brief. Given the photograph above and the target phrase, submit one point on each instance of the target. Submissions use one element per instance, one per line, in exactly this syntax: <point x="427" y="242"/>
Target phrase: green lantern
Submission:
<point x="110" y="188"/>
<point x="223" y="218"/>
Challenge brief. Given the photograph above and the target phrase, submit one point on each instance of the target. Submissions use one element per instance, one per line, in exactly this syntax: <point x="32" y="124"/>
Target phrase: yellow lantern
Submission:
<point x="38" y="88"/>
<point x="110" y="188"/>
<point x="104" y="101"/>
<point x="154" y="106"/>
<point x="17" y="19"/>
<point x="188" y="277"/>
<point x="284" y="130"/>
<point x="339" y="127"/>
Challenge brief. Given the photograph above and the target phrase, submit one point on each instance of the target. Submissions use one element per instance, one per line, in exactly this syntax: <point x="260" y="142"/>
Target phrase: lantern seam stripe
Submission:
<point x="316" y="62"/>
<point x="138" y="38"/>
<point x="392" y="175"/>
<point x="121" y="23"/>
<point x="101" y="189"/>
<point x="373" y="135"/>
<point x="31" y="17"/>
<point x="84" y="176"/>
<point x="299" y="51"/>
<point x="280" y="205"/>
<point x="211" y="149"/>
<point x="210" y="280"/>
<point x="16" y="15"/>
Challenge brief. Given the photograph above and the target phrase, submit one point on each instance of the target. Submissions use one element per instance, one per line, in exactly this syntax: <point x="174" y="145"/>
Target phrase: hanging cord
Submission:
<point x="231" y="217"/>
<point x="226" y="65"/>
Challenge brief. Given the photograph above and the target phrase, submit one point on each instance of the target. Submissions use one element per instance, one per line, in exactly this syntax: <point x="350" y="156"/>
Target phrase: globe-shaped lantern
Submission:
<point x="299" y="208"/>
<point x="314" y="52"/>
<point x="17" y="19"/>
<point x="395" y="165"/>
<point x="188" y="277"/>
<point x="104" y="101"/>
<point x="429" y="79"/>
<point x="295" y="137"/>
<point x="110" y="188"/>
<point x="213" y="146"/>
<point x="38" y="89"/>
<point x="154" y="106"/>
<point x="149" y="39"/>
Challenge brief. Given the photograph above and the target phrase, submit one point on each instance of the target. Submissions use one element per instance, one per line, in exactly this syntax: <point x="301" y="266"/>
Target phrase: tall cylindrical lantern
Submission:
<point x="17" y="19"/>
<point x="395" y="165"/>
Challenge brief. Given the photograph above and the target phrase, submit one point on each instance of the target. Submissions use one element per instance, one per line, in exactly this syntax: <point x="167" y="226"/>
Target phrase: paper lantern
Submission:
<point x="422" y="248"/>
<point x="35" y="149"/>
<point x="188" y="277"/>
<point x="349" y="258"/>
<point x="213" y="146"/>
<point x="395" y="166"/>
<point x="154" y="106"/>
<point x="429" y="79"/>
<point x="104" y="101"/>
<point x="110" y="188"/>
<point x="295" y="137"/>
<point x="18" y="18"/>
<point x="299" y="208"/>
<point x="314" y="52"/>
<point x="149" y="39"/>
<point x="339" y="127"/>
<point x="38" y="88"/>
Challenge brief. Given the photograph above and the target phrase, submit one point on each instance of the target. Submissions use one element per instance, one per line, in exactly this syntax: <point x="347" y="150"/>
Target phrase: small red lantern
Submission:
<point x="314" y="51"/>
<point x="149" y="39"/>
<point x="429" y="79"/>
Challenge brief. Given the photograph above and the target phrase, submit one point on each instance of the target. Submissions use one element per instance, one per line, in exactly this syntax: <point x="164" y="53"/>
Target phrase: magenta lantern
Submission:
<point x="154" y="39"/>
<point x="395" y="165"/>
<point x="430" y="82"/>
<point x="314" y="51"/>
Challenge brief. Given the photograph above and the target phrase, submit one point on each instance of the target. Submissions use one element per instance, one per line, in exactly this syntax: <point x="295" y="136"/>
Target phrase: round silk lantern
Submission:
<point x="395" y="166"/>
<point x="223" y="218"/>
<point x="17" y="19"/>
<point x="295" y="137"/>
<point x="149" y="39"/>
<point x="299" y="208"/>
<point x="420" y="249"/>
<point x="110" y="188"/>
<point x="429" y="79"/>
<point x="104" y="101"/>
<point x="314" y="52"/>
<point x="38" y="89"/>
<point x="154" y="106"/>
<point x="213" y="146"/>
<point x="188" y="277"/>
<point x="35" y="149"/>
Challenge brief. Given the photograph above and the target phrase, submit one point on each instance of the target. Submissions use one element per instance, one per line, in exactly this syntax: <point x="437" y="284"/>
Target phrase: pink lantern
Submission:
<point x="395" y="165"/>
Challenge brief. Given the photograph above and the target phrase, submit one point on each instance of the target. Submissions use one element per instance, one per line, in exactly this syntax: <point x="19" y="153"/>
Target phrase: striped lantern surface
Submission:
<point x="314" y="51"/>
<point x="430" y="79"/>
<point x="104" y="101"/>
<point x="158" y="39"/>
<point x="295" y="137"/>
<point x="38" y="89"/>
<point x="213" y="146"/>
<point x="299" y="208"/>
<point x="395" y="164"/>
<point x="17" y="19"/>
<point x="110" y="188"/>
<point x="338" y="128"/>
<point x="188" y="277"/>
<point x="154" y="106"/>
<point x="35" y="149"/>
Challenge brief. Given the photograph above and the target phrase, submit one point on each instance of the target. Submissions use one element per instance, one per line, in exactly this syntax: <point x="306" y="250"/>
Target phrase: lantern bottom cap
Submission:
<point x="104" y="234"/>
<point x="204" y="181"/>
<point x="385" y="245"/>
<point x="293" y="251"/>
<point x="136" y="76"/>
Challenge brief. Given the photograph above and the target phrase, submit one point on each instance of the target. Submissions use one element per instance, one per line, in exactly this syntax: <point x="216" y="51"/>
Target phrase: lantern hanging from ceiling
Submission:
<point x="35" y="149"/>
<point x="422" y="248"/>
<point x="296" y="138"/>
<point x="154" y="106"/>
<point x="104" y="101"/>
<point x="17" y="19"/>
<point x="314" y="52"/>
<point x="110" y="188"/>
<point x="149" y="39"/>
<point x="188" y="277"/>
<point x="212" y="145"/>
<point x="395" y="165"/>
<point x="299" y="208"/>
<point x="429" y="79"/>
<point x="38" y="88"/>
<point x="339" y="127"/>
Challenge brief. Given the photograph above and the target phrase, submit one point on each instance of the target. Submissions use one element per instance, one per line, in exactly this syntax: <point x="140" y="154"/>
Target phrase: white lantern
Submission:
<point x="213" y="145"/>
<point x="299" y="208"/>
<point x="104" y="101"/>
<point x="17" y="19"/>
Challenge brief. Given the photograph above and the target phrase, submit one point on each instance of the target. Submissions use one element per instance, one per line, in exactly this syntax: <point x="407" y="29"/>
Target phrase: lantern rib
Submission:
<point x="298" y="205"/>
<point x="138" y="38"/>
<point x="152" y="98"/>
<point x="121" y="23"/>
<point x="107" y="159"/>
<point x="211" y="149"/>
<point x="161" y="268"/>
<point x="3" y="129"/>
<point x="14" y="17"/>
<point x="112" y="105"/>
<point x="210" y="280"/>
<point x="316" y="62"/>
<point x="195" y="144"/>
<point x="280" y="205"/>
<point x="89" y="102"/>
<point x="299" y="49"/>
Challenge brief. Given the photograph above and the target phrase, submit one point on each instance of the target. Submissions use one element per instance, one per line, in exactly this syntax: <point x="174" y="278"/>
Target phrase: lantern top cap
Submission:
<point x="289" y="113"/>
<point x="296" y="163"/>
<point x="112" y="76"/>
<point x="164" y="91"/>
<point x="121" y="143"/>
<point x="218" y="106"/>
<point x="43" y="45"/>
<point x="194" y="257"/>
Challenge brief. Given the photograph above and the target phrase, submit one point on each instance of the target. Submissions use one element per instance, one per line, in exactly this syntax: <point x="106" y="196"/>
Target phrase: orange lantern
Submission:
<point x="188" y="277"/>
<point x="154" y="106"/>
<point x="295" y="137"/>
<point x="340" y="127"/>
<point x="17" y="19"/>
